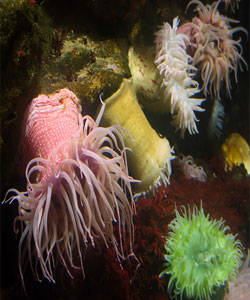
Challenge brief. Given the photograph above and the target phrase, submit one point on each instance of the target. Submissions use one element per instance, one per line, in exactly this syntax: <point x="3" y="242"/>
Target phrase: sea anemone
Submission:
<point x="232" y="4"/>
<point x="212" y="47"/>
<point x="190" y="169"/>
<point x="174" y="65"/>
<point x="146" y="79"/>
<point x="216" y="120"/>
<point x="200" y="256"/>
<point x="236" y="151"/>
<point x="149" y="160"/>
<point x="77" y="186"/>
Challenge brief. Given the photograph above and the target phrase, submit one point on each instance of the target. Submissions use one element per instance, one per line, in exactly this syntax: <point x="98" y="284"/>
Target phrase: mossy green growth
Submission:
<point x="25" y="40"/>
<point x="26" y="36"/>
<point x="200" y="255"/>
<point x="87" y="66"/>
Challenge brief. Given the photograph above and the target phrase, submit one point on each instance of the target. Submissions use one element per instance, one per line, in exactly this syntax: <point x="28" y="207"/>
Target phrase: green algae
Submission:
<point x="25" y="41"/>
<point x="88" y="66"/>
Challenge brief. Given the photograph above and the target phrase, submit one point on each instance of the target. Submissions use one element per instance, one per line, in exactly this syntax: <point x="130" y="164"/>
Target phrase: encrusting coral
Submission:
<point x="77" y="186"/>
<point x="200" y="255"/>
<point x="149" y="160"/>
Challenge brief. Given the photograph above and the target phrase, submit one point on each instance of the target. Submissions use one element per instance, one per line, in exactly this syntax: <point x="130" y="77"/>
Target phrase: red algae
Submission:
<point x="153" y="215"/>
<point x="221" y="195"/>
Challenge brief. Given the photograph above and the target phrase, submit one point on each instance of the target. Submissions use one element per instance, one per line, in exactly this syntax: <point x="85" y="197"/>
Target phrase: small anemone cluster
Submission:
<point x="190" y="169"/>
<point x="204" y="47"/>
<point x="214" y="51"/>
<point x="203" y="51"/>
<point x="200" y="255"/>
<point x="174" y="65"/>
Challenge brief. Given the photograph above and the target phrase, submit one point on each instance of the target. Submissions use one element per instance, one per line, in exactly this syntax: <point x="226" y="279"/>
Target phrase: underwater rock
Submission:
<point x="239" y="287"/>
<point x="98" y="17"/>
<point x="87" y="66"/>
<point x="25" y="42"/>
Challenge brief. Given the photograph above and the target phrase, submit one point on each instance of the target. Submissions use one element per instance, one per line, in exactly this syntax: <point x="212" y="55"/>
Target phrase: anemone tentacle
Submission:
<point x="76" y="192"/>
<point x="175" y="67"/>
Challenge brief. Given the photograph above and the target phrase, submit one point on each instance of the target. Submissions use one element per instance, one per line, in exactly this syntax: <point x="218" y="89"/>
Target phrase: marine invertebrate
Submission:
<point x="236" y="151"/>
<point x="190" y="169"/>
<point x="231" y="4"/>
<point x="216" y="119"/>
<point x="215" y="53"/>
<point x="174" y="65"/>
<point x="146" y="79"/>
<point x="77" y="185"/>
<point x="222" y="197"/>
<point x="149" y="160"/>
<point x="200" y="255"/>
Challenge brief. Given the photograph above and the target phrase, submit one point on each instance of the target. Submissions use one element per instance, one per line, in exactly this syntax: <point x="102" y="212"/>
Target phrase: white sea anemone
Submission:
<point x="174" y="65"/>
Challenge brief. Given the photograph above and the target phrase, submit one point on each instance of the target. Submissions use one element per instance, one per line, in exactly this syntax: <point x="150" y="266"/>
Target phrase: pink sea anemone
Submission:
<point x="215" y="53"/>
<point x="77" y="186"/>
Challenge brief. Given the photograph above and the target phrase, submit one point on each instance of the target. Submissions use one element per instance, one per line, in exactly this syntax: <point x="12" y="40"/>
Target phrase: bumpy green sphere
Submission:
<point x="200" y="256"/>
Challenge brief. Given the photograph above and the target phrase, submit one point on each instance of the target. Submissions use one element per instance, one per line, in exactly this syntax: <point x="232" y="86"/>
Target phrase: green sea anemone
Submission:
<point x="200" y="256"/>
